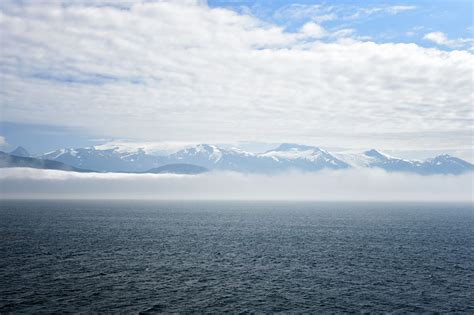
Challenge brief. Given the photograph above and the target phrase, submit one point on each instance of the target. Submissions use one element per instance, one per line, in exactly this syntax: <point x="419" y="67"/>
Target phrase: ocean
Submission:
<point x="156" y="256"/>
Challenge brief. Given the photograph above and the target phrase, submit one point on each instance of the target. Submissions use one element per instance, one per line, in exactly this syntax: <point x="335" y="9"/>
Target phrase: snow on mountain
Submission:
<point x="356" y="160"/>
<point x="446" y="164"/>
<point x="151" y="148"/>
<point x="289" y="152"/>
<point x="213" y="157"/>
<point x="202" y="154"/>
<point x="106" y="159"/>
<point x="443" y="164"/>
<point x="283" y="158"/>
<point x="374" y="158"/>
<point x="303" y="157"/>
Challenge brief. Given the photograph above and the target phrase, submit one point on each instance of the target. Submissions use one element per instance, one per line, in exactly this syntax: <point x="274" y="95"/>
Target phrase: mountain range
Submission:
<point x="203" y="157"/>
<point x="10" y="160"/>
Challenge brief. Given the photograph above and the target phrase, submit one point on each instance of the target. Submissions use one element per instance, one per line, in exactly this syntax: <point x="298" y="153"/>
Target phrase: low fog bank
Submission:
<point x="341" y="185"/>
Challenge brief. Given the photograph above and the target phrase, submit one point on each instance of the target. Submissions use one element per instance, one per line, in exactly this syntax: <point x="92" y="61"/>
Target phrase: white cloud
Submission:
<point x="312" y="30"/>
<point x="437" y="37"/>
<point x="324" y="18"/>
<point x="323" y="13"/>
<point x="342" y="33"/>
<point x="167" y="71"/>
<point x="298" y="11"/>
<point x="369" y="11"/>
<point x="329" y="185"/>
<point x="395" y="9"/>
<point x="441" y="39"/>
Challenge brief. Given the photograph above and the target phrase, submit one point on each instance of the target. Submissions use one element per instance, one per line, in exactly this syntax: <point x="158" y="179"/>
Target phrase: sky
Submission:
<point x="397" y="76"/>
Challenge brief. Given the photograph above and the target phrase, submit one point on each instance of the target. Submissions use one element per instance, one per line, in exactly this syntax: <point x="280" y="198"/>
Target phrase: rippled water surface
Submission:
<point x="235" y="256"/>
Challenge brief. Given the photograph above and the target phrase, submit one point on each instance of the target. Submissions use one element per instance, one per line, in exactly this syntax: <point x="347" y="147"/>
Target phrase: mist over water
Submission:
<point x="103" y="256"/>
<point x="354" y="184"/>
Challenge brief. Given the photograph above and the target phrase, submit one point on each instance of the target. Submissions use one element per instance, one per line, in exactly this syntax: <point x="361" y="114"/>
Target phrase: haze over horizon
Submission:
<point x="326" y="185"/>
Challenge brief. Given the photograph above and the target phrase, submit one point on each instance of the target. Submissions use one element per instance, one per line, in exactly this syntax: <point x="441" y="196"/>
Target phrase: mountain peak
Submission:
<point x="205" y="151"/>
<point x="376" y="154"/>
<point x="446" y="158"/>
<point x="443" y="157"/>
<point x="20" y="151"/>
<point x="206" y="147"/>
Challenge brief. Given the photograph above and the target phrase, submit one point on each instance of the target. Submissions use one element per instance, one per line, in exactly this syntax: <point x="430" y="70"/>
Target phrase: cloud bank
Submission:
<point x="441" y="39"/>
<point x="182" y="71"/>
<point x="347" y="185"/>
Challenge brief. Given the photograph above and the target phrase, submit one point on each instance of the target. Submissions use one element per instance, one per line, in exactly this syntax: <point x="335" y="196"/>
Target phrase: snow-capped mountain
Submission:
<point x="303" y="157"/>
<point x="374" y="158"/>
<point x="442" y="164"/>
<point x="106" y="160"/>
<point x="283" y="158"/>
<point x="446" y="164"/>
<point x="213" y="157"/>
<point x="203" y="154"/>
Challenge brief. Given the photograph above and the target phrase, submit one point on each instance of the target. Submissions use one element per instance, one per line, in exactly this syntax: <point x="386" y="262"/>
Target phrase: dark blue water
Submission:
<point x="230" y="256"/>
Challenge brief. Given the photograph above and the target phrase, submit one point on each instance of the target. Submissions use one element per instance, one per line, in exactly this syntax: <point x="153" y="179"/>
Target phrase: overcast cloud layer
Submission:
<point x="172" y="71"/>
<point x="347" y="185"/>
